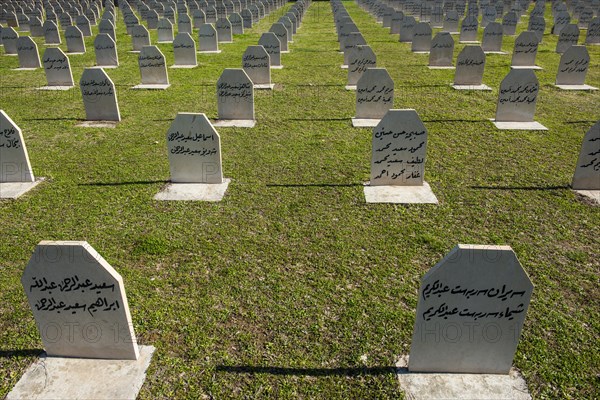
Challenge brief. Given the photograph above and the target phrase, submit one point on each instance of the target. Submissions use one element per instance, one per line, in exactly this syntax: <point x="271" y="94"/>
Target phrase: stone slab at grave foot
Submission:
<point x="398" y="152"/>
<point x="81" y="311"/>
<point x="586" y="180"/>
<point x="16" y="175"/>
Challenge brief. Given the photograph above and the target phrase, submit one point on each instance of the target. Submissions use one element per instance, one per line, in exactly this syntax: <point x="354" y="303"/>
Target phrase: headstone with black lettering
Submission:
<point x="184" y="24"/>
<point x="516" y="101"/>
<point x="36" y="27"/>
<point x="27" y="50"/>
<point x="223" y="27"/>
<point x="9" y="40"/>
<point x="451" y="22"/>
<point x="16" y="175"/>
<point x="573" y="68"/>
<point x="184" y="51"/>
<point x="421" y="43"/>
<point x="272" y="45"/>
<point x="442" y="50"/>
<point x="58" y="70"/>
<point x="83" y="23"/>
<point x="65" y="20"/>
<point x="99" y="95"/>
<point x="235" y="99"/>
<point x="198" y="18"/>
<point x="140" y="37"/>
<point x="106" y="51"/>
<point x="509" y="23"/>
<point x="256" y="64"/>
<point x="561" y="19"/>
<point x="75" y="41"/>
<point x="568" y="37"/>
<point x="282" y="34"/>
<point x="398" y="152"/>
<point x="470" y="65"/>
<point x="396" y="22"/>
<point x="247" y="18"/>
<point x="470" y="312"/>
<point x="165" y="31"/>
<point x="211" y="14"/>
<point x="374" y="97"/>
<point x="51" y="34"/>
<point x="152" y="19"/>
<point x="208" y="41"/>
<point x="153" y="69"/>
<point x="106" y="26"/>
<point x="468" y="30"/>
<point x="586" y="179"/>
<point x="593" y="32"/>
<point x="492" y="39"/>
<point x="525" y="51"/>
<point x="489" y="15"/>
<point x="237" y="24"/>
<point x="361" y="58"/>
<point x="407" y="29"/>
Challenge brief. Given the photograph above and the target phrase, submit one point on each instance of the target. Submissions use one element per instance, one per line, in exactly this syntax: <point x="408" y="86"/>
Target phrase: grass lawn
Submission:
<point x="292" y="286"/>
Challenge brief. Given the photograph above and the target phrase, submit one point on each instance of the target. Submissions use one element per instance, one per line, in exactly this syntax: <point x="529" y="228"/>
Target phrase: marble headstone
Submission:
<point x="198" y="18"/>
<point x="492" y="38"/>
<point x="568" y="37"/>
<point x="235" y="96"/>
<point x="9" y="40"/>
<point x="153" y="69"/>
<point x="573" y="68"/>
<point x="587" y="172"/>
<point x="593" y="32"/>
<point x="517" y="99"/>
<point x="106" y="26"/>
<point x="442" y="50"/>
<point x="208" y="39"/>
<point x="272" y="45"/>
<point x="359" y="59"/>
<point x="14" y="160"/>
<point x="282" y="34"/>
<point x="74" y="39"/>
<point x="407" y="29"/>
<point x="256" y="64"/>
<point x="106" y="51"/>
<point x="184" y="51"/>
<point x="27" y="51"/>
<point x="83" y="23"/>
<point x="51" y="33"/>
<point x="165" y="31"/>
<point x="525" y="50"/>
<point x="223" y="27"/>
<point x="451" y="22"/>
<point x="140" y="37"/>
<point x="99" y="95"/>
<point x="470" y="65"/>
<point x="374" y="97"/>
<point x="57" y="68"/>
<point x="468" y="30"/>
<point x="184" y="24"/>
<point x="421" y="42"/>
<point x="237" y="24"/>
<point x="509" y="23"/>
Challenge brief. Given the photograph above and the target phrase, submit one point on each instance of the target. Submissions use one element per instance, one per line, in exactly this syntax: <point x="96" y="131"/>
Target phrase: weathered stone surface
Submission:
<point x="27" y="51"/>
<point x="99" y="95"/>
<point x="587" y="171"/>
<point x="525" y="51"/>
<point x="106" y="51"/>
<point x="57" y="67"/>
<point x="517" y="96"/>
<point x="235" y="95"/>
<point x="442" y="50"/>
<point x="208" y="40"/>
<point x="374" y="94"/>
<point x="153" y="67"/>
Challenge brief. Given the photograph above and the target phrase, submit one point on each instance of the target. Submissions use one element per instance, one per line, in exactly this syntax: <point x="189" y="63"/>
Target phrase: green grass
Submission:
<point x="292" y="286"/>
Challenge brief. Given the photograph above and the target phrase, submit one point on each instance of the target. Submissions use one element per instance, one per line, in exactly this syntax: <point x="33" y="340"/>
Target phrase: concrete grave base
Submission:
<point x="11" y="55"/>
<point x="287" y="51"/>
<point x="227" y="42"/>
<point x="454" y="33"/>
<point x="431" y="386"/>
<point x="151" y="86"/>
<point x="276" y="66"/>
<point x="107" y="66"/>
<point x="97" y="124"/>
<point x="471" y="87"/>
<point x="83" y="378"/>
<point x="469" y="41"/>
<point x="183" y="66"/>
<point x="496" y="52"/>
<point x="55" y="87"/>
<point x="75" y="53"/>
<point x="400" y="194"/>
<point x="520" y="126"/>
<point x="441" y="67"/>
<point x="576" y="87"/>
<point x="593" y="195"/>
<point x="534" y="67"/>
<point x="167" y="41"/>
<point x="421" y="52"/>
<point x="235" y="123"/>
<point x="365" y="123"/>
<point x="344" y="66"/>
<point x="264" y="86"/>
<point x="194" y="191"/>
<point x="209" y="51"/>
<point x="14" y="190"/>
<point x="24" y="69"/>
<point x="350" y="87"/>
<point x="134" y="51"/>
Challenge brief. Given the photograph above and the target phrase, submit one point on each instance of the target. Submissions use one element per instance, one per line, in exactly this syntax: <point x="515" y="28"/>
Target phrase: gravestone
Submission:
<point x="198" y="18"/>
<point x="58" y="70"/>
<point x="421" y="42"/>
<point x="65" y="20"/>
<point x="492" y="39"/>
<point x="451" y="22"/>
<point x="16" y="175"/>
<point x="509" y="23"/>
<point x="256" y="64"/>
<point x="407" y="29"/>
<point x="207" y="39"/>
<point x="585" y="16"/>
<point x="184" y="51"/>
<point x="593" y="32"/>
<point x="561" y="20"/>
<point x="471" y="310"/>
<point x="140" y="37"/>
<point x="360" y="59"/>
<point x="99" y="95"/>
<point x="36" y="27"/>
<point x="470" y="65"/>
<point x="51" y="34"/>
<point x="396" y="22"/>
<point x="442" y="50"/>
<point x="83" y="23"/>
<point x="153" y="69"/>
<point x="75" y="41"/>
<point x="538" y="26"/>
<point x="374" y="97"/>
<point x="223" y="27"/>
<point x="106" y="26"/>
<point x="237" y="24"/>
<point x="272" y="45"/>
<point x="489" y="15"/>
<point x="468" y="30"/>
<point x="211" y="14"/>
<point x="288" y="25"/>
<point x="69" y="286"/>
<point x="282" y="34"/>
<point x="525" y="51"/>
<point x="9" y="40"/>
<point x="247" y="18"/>
<point x="184" y="24"/>
<point x="27" y="50"/>
<point x="165" y="31"/>
<point x="106" y="51"/>
<point x="587" y="171"/>
<point x="573" y="68"/>
<point x="516" y="101"/>
<point x="568" y="37"/>
<point x="235" y="99"/>
<point x="130" y="21"/>
<point x="152" y="19"/>
<point x="352" y="40"/>
<point x="398" y="153"/>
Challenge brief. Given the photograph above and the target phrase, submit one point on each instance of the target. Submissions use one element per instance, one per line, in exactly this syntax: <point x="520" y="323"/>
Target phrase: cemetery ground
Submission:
<point x="292" y="286"/>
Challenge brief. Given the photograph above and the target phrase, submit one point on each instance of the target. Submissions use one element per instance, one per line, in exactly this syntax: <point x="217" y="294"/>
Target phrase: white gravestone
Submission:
<point x="525" y="51"/>
<point x="593" y="32"/>
<point x="516" y="101"/>
<point x="421" y="42"/>
<point x="470" y="65"/>
<point x="407" y="29"/>
<point x="470" y="313"/>
<point x="16" y="175"/>
<point x="51" y="34"/>
<point x="75" y="41"/>
<point x="586" y="180"/>
<point x="9" y="40"/>
<point x="106" y="51"/>
<point x="468" y="30"/>
<point x="573" y="68"/>
<point x="398" y="152"/>
<point x="272" y="45"/>
<point x="223" y="27"/>
<point x="352" y="40"/>
<point x="442" y="50"/>
<point x="140" y="37"/>
<point x="360" y="58"/>
<point x="107" y="27"/>
<point x="396" y="22"/>
<point x="83" y="23"/>
<point x="27" y="50"/>
<point x="194" y="149"/>
<point x="58" y="70"/>
<point x="256" y="63"/>
<point x="537" y="25"/>
<point x="81" y="311"/>
<point x="184" y="24"/>
<point x="153" y="69"/>
<point x="184" y="51"/>
<point x="509" y="23"/>
<point x="165" y="31"/>
<point x="374" y="97"/>
<point x="492" y="39"/>
<point x="235" y="99"/>
<point x="208" y="39"/>
<point x="568" y="37"/>
<point x="99" y="95"/>
<point x="282" y="34"/>
<point x="451" y="22"/>
<point x="198" y="18"/>
<point x="237" y="24"/>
